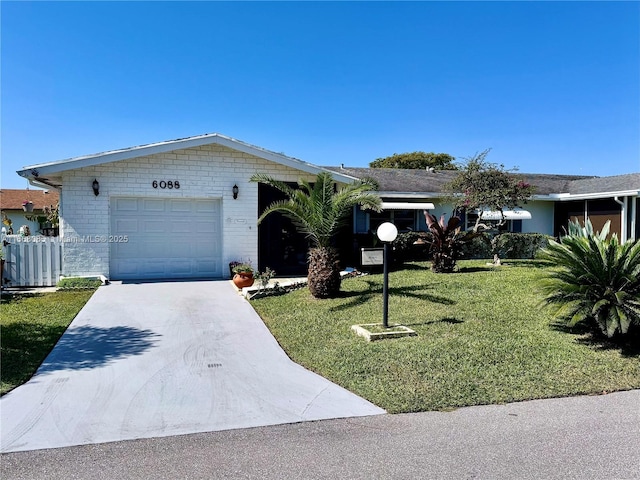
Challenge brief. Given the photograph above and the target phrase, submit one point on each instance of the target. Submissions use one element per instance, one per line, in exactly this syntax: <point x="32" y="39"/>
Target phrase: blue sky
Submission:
<point x="551" y="87"/>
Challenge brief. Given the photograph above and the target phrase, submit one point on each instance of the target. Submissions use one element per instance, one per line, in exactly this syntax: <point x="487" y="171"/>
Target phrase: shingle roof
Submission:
<point x="424" y="181"/>
<point x="11" y="199"/>
<point x="617" y="183"/>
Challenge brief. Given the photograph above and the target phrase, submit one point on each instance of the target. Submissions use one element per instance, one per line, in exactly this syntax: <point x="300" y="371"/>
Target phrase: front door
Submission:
<point x="280" y="246"/>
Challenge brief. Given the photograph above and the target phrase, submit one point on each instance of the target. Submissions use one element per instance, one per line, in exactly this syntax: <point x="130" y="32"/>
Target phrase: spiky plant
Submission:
<point x="318" y="210"/>
<point x="446" y="242"/>
<point x="596" y="279"/>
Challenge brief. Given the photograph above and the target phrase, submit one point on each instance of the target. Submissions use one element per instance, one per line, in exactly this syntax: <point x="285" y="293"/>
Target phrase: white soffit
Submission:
<point x="508" y="214"/>
<point x="407" y="206"/>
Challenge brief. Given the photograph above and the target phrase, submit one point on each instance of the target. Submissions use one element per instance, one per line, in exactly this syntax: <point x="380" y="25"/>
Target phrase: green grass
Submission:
<point x="30" y="325"/>
<point x="483" y="338"/>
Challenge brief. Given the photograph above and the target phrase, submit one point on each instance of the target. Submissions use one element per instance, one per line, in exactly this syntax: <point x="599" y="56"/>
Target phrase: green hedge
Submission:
<point x="78" y="283"/>
<point x="506" y="245"/>
<point x="519" y="245"/>
<point x="404" y="249"/>
<point x="479" y="247"/>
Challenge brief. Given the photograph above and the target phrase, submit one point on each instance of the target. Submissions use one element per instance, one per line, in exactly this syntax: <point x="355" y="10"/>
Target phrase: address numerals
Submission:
<point x="170" y="184"/>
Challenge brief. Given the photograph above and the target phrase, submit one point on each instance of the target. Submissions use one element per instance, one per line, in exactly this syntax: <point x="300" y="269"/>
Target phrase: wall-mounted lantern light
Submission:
<point x="235" y="191"/>
<point x="96" y="187"/>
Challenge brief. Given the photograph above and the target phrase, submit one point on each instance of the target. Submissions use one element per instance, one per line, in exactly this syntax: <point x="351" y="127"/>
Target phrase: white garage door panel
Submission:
<point x="167" y="238"/>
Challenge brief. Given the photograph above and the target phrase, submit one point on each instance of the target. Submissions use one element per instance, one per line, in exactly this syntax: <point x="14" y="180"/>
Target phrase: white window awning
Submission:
<point x="515" y="214"/>
<point x="407" y="206"/>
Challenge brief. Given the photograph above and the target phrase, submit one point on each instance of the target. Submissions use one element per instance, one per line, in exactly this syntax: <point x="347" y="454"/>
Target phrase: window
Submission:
<point x="404" y="220"/>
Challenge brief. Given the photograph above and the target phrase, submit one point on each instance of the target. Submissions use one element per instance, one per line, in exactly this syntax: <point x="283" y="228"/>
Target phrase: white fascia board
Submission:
<point x="565" y="197"/>
<point x="168" y="146"/>
<point x="117" y="155"/>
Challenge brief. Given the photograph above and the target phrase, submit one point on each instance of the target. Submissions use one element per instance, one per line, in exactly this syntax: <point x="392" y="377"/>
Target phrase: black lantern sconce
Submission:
<point x="96" y="187"/>
<point x="235" y="191"/>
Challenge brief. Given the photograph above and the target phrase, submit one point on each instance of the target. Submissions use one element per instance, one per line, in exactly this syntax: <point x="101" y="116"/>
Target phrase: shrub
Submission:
<point x="447" y="240"/>
<point x="404" y="248"/>
<point x="597" y="280"/>
<point x="78" y="283"/>
<point x="476" y="248"/>
<point x="519" y="245"/>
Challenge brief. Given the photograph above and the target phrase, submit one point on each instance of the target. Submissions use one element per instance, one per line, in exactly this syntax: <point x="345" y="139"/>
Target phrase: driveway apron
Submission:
<point x="157" y="359"/>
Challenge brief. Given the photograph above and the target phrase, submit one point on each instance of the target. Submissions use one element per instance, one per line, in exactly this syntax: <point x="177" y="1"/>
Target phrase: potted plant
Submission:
<point x="243" y="275"/>
<point x="27" y="206"/>
<point x="233" y="265"/>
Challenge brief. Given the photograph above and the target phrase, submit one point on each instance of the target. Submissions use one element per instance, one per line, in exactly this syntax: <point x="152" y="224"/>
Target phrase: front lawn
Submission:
<point x="30" y="326"/>
<point x="483" y="337"/>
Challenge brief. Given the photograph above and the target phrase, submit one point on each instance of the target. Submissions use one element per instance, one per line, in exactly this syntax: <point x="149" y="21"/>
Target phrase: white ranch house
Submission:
<point x="167" y="210"/>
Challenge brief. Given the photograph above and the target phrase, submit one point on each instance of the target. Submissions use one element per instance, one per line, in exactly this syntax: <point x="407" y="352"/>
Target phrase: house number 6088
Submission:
<point x="170" y="184"/>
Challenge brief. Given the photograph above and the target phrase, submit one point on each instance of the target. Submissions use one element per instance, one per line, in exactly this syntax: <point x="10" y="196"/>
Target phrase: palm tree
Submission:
<point x="595" y="280"/>
<point x="318" y="209"/>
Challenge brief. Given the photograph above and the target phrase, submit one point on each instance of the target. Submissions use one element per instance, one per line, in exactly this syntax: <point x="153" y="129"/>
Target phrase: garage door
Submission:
<point x="158" y="238"/>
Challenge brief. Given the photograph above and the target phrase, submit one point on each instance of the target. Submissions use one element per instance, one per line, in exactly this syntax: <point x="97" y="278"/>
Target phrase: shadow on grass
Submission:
<point x="14" y="297"/>
<point x="474" y="269"/>
<point x="375" y="289"/>
<point x="88" y="347"/>
<point x="529" y="263"/>
<point x="591" y="336"/>
<point x="450" y="320"/>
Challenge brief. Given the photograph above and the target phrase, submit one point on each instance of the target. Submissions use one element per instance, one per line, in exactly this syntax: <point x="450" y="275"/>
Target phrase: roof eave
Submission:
<point x="565" y="197"/>
<point x="34" y="171"/>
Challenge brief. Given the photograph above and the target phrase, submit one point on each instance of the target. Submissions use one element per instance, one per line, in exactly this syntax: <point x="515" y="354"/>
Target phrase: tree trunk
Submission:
<point x="324" y="272"/>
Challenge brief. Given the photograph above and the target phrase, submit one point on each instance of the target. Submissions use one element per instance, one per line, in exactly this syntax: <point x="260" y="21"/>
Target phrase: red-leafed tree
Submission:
<point x="483" y="185"/>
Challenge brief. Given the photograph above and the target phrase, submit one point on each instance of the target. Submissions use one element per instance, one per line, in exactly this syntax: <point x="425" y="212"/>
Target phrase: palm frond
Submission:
<point x="596" y="279"/>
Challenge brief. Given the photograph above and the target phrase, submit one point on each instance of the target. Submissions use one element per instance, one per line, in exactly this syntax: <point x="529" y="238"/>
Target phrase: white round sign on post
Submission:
<point x="387" y="232"/>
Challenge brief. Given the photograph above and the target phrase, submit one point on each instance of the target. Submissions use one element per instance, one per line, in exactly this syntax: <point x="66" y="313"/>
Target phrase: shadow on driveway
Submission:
<point x="87" y="347"/>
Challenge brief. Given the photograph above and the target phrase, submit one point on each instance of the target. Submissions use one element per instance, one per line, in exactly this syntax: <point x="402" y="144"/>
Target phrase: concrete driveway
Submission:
<point x="158" y="359"/>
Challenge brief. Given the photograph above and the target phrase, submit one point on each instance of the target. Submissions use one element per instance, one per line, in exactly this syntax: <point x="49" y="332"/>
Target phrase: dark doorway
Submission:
<point x="280" y="246"/>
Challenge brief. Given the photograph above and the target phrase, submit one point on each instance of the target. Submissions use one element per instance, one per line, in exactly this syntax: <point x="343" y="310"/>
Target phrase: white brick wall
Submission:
<point x="209" y="171"/>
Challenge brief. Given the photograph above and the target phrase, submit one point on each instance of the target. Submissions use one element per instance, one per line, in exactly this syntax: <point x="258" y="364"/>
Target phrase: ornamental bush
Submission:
<point x="519" y="245"/>
<point x="596" y="280"/>
<point x="477" y="248"/>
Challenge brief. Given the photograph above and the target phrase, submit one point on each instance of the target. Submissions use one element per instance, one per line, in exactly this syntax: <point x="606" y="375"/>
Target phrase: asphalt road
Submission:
<point x="593" y="437"/>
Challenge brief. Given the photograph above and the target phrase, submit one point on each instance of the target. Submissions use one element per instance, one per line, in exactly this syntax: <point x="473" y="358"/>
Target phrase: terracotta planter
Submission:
<point x="242" y="280"/>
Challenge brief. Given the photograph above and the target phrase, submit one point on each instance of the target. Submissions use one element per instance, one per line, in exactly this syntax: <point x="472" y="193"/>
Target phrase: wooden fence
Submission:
<point x="33" y="261"/>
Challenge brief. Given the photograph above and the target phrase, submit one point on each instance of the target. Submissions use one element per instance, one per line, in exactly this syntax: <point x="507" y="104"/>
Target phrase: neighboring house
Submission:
<point x="11" y="205"/>
<point x="558" y="199"/>
<point x="172" y="209"/>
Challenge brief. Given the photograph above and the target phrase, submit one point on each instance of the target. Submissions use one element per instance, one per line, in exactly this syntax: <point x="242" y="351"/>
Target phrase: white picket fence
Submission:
<point x="33" y="261"/>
